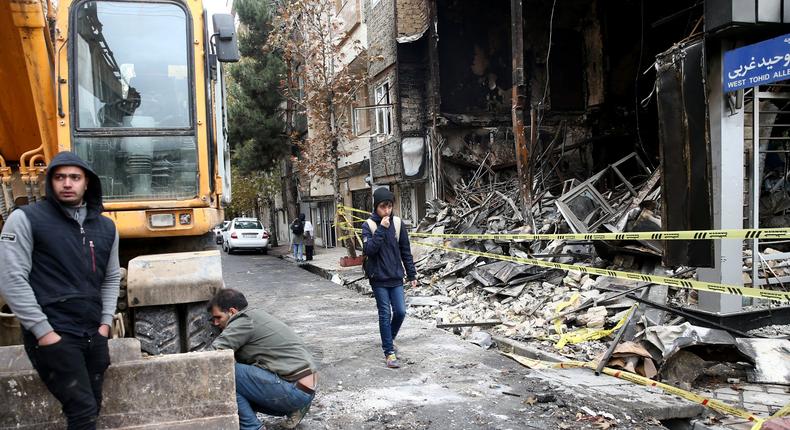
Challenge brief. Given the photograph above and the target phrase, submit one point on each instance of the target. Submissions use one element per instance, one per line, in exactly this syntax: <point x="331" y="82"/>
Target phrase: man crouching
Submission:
<point x="275" y="373"/>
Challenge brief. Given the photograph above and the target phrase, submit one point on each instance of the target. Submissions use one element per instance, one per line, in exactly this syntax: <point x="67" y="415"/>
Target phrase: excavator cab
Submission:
<point x="135" y="88"/>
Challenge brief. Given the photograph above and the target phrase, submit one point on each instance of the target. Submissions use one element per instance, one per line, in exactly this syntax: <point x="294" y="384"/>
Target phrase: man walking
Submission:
<point x="297" y="240"/>
<point x="275" y="373"/>
<point x="387" y="252"/>
<point x="60" y="275"/>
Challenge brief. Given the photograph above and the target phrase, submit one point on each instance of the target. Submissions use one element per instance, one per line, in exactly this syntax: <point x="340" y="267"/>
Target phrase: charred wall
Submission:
<point x="413" y="75"/>
<point x="474" y="53"/>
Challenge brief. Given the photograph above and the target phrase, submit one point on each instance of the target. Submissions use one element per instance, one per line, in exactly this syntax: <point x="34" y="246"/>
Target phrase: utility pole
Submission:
<point x="519" y="103"/>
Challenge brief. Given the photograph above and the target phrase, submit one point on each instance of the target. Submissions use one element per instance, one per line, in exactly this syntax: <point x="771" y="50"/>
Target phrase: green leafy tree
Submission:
<point x="256" y="129"/>
<point x="250" y="190"/>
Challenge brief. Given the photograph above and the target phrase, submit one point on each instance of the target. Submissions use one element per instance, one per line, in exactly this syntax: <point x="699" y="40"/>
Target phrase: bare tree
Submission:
<point x="321" y="83"/>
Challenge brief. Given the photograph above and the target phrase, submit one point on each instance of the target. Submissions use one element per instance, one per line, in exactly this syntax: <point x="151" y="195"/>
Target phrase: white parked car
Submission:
<point x="245" y="233"/>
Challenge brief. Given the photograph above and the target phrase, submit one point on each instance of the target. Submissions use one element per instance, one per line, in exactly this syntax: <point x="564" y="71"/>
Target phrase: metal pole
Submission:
<point x="755" y="181"/>
<point x="519" y="102"/>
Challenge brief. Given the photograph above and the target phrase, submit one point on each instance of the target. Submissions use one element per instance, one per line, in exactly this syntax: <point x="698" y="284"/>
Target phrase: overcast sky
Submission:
<point x="218" y="6"/>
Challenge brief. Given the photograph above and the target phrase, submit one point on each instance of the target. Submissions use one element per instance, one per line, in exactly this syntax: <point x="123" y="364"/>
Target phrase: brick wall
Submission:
<point x="412" y="17"/>
<point x="412" y="97"/>
<point x="381" y="35"/>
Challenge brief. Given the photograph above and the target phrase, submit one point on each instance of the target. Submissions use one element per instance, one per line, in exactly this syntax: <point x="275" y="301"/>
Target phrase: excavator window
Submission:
<point x="133" y="98"/>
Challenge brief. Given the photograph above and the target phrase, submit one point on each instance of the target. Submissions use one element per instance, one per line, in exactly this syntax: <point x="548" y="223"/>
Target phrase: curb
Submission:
<point x="515" y="347"/>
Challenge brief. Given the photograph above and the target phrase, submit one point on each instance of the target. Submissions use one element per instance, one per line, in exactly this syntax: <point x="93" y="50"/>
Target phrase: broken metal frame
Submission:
<point x="588" y="190"/>
<point x="628" y="184"/>
<point x="755" y="185"/>
<point x="588" y="186"/>
<point x="689" y="316"/>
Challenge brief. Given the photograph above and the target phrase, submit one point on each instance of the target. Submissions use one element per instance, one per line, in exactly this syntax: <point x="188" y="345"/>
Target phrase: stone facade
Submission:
<point x="413" y="102"/>
<point x="382" y="48"/>
<point x="413" y="18"/>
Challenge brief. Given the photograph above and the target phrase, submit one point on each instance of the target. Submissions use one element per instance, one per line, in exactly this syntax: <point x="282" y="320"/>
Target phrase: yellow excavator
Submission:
<point x="135" y="88"/>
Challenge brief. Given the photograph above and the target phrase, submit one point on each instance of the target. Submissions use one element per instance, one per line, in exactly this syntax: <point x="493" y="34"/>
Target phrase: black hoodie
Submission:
<point x="93" y="195"/>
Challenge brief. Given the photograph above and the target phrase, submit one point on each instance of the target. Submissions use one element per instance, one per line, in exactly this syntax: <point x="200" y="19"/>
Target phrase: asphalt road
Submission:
<point x="445" y="382"/>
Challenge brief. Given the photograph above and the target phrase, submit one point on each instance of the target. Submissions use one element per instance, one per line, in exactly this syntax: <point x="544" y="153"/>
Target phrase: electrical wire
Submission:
<point x="548" y="57"/>
<point x="636" y="82"/>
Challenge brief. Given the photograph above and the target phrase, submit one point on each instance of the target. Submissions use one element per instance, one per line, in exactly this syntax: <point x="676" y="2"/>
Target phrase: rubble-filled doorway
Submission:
<point x="767" y="147"/>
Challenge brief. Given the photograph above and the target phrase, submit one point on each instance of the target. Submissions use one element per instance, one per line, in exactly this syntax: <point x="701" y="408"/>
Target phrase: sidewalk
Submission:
<point x="760" y="399"/>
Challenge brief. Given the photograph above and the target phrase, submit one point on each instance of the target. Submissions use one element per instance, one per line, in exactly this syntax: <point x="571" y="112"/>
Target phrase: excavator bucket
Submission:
<point x="183" y="277"/>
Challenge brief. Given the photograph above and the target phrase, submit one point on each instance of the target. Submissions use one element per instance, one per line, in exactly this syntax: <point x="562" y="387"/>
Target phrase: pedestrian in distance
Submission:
<point x="275" y="373"/>
<point x="387" y="252"/>
<point x="309" y="240"/>
<point x="60" y="275"/>
<point x="297" y="238"/>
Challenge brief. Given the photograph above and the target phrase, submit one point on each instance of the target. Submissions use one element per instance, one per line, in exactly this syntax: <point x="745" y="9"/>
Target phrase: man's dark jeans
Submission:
<point x="259" y="390"/>
<point x="391" y="305"/>
<point x="73" y="371"/>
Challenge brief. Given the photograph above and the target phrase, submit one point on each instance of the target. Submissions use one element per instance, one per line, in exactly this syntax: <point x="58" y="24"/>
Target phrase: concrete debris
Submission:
<point x="539" y="306"/>
<point x="481" y="339"/>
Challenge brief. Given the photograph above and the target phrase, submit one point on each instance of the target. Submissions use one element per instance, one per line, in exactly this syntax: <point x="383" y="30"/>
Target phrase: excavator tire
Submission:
<point x="199" y="332"/>
<point x="157" y="329"/>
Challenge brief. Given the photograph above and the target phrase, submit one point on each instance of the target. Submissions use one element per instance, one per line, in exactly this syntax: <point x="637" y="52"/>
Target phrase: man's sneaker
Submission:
<point x="295" y="417"/>
<point x="392" y="361"/>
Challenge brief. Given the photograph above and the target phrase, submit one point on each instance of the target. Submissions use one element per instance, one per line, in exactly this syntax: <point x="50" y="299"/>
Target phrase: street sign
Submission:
<point x="758" y="64"/>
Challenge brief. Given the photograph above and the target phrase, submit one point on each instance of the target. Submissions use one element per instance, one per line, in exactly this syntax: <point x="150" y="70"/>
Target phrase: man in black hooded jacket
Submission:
<point x="59" y="273"/>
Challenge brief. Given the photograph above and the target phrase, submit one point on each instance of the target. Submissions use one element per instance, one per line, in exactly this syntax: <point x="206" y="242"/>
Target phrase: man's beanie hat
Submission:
<point x="382" y="195"/>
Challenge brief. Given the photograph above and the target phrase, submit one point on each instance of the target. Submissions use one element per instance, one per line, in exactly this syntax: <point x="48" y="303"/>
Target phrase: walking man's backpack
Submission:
<point x="297" y="227"/>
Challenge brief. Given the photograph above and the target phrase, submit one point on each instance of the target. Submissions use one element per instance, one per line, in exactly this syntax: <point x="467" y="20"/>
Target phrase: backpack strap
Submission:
<point x="371" y="225"/>
<point x="395" y="220"/>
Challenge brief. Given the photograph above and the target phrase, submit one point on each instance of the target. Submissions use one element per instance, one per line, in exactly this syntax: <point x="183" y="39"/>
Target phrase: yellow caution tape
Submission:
<point x="714" y="404"/>
<point x="780" y="296"/>
<point x="753" y="233"/>
<point x="785" y="411"/>
<point x="779" y="414"/>
<point x="762" y="233"/>
<point x="562" y="305"/>
<point x="587" y="334"/>
<point x="348" y="208"/>
<point x="353" y="217"/>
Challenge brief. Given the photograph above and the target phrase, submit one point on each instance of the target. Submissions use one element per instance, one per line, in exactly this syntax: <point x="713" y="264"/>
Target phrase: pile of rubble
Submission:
<point x="566" y="312"/>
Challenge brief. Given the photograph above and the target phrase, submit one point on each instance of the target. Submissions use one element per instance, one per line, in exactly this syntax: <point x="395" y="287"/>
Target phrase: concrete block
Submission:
<point x="762" y="398"/>
<point x="179" y="391"/>
<point x="728" y="398"/>
<point x="752" y="387"/>
<point x="14" y="358"/>
<point x="756" y="408"/>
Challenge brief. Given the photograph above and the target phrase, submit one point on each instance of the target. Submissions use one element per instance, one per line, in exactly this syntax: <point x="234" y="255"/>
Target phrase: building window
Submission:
<point x="359" y="112"/>
<point x="383" y="113"/>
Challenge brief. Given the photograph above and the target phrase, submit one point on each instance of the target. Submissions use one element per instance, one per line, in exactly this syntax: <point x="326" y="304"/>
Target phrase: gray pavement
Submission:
<point x="445" y="382"/>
